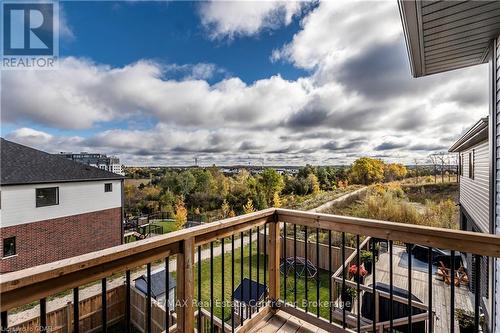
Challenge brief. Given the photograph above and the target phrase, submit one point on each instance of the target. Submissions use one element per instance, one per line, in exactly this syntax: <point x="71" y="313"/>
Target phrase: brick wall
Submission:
<point x="50" y="240"/>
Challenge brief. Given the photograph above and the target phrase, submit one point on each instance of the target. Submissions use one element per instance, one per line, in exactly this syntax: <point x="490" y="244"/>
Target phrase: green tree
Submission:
<point x="271" y="182"/>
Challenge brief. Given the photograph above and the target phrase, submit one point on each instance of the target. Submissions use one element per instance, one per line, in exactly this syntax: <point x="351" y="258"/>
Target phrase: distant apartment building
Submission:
<point x="101" y="161"/>
<point x="53" y="208"/>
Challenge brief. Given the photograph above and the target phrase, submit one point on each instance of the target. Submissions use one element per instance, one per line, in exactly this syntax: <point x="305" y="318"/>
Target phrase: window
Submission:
<point x="9" y="247"/>
<point x="108" y="187"/>
<point x="47" y="196"/>
<point x="471" y="165"/>
<point x="461" y="164"/>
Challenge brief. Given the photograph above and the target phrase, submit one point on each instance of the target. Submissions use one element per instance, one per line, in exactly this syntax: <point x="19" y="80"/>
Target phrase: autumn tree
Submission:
<point x="248" y="207"/>
<point x="366" y="170"/>
<point x="314" y="183"/>
<point x="226" y="209"/>
<point x="394" y="171"/>
<point x="276" y="200"/>
<point x="180" y="214"/>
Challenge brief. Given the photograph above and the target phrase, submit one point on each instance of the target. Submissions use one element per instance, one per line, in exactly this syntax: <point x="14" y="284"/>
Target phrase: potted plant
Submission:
<point x="349" y="297"/>
<point x="466" y="320"/>
<point x="367" y="260"/>
<point x="358" y="274"/>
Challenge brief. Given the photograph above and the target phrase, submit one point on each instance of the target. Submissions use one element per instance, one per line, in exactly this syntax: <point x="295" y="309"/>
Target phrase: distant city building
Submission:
<point x="101" y="161"/>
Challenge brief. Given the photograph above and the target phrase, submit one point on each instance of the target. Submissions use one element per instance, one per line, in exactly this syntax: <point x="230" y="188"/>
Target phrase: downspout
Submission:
<point x="494" y="263"/>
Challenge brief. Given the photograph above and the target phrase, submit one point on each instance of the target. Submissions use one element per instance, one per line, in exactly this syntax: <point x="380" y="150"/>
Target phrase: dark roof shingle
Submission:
<point x="24" y="165"/>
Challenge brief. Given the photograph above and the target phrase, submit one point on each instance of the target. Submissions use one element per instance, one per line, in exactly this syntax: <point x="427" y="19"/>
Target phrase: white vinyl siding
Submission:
<point x="496" y="110"/>
<point x="19" y="201"/>
<point x="474" y="191"/>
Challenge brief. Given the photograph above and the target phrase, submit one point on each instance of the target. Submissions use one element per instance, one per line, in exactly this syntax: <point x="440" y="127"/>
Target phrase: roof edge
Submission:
<point x="473" y="136"/>
<point x="410" y="14"/>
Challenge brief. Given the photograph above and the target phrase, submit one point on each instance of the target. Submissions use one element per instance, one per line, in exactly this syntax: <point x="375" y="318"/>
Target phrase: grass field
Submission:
<point x="227" y="269"/>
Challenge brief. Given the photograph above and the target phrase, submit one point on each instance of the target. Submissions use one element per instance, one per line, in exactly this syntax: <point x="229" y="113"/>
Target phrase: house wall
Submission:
<point x="50" y="240"/>
<point x="474" y="192"/>
<point x="495" y="110"/>
<point x="19" y="201"/>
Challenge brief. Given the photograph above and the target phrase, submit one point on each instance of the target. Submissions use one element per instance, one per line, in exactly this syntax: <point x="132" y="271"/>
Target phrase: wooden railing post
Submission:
<point x="185" y="287"/>
<point x="274" y="261"/>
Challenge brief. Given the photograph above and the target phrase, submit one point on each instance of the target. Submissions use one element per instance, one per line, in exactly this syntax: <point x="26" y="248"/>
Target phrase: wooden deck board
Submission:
<point x="282" y="322"/>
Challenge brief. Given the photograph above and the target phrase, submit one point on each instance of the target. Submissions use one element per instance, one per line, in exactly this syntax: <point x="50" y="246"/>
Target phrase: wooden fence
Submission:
<point x="311" y="252"/>
<point x="61" y="319"/>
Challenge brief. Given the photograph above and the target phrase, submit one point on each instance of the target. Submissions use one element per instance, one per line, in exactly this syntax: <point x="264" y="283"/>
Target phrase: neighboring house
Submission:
<point x="474" y="171"/>
<point x="53" y="208"/>
<point x="447" y="35"/>
<point x="101" y="161"/>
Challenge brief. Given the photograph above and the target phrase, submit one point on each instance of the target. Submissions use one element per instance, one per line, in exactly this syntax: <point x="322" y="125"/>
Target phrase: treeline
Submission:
<point x="206" y="193"/>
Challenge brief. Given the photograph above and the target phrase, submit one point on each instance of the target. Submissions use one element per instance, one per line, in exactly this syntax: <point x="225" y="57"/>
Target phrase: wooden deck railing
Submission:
<point x="197" y="244"/>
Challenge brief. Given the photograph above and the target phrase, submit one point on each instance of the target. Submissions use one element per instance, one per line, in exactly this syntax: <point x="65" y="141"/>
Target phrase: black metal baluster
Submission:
<point x="374" y="286"/>
<point x="43" y="315"/>
<point x="211" y="286"/>
<point x="410" y="307"/>
<point x="306" y="265"/>
<point x="232" y="283"/>
<point x="295" y="265"/>
<point x="285" y="263"/>
<point x="127" y="301"/>
<point x="148" y="299"/>
<point x="200" y="318"/>
<point x="343" y="282"/>
<point x="317" y="273"/>
<point x="477" y="291"/>
<point x="452" y="291"/>
<point x="391" y="289"/>
<point x="258" y="260"/>
<point x="330" y="273"/>
<point x="167" y="288"/>
<point x="76" y="310"/>
<point x="250" y="271"/>
<point x="358" y="287"/>
<point x="265" y="253"/>
<point x="430" y="318"/>
<point x="4" y="321"/>
<point x="104" y="306"/>
<point x="242" y="257"/>
<point x="222" y="280"/>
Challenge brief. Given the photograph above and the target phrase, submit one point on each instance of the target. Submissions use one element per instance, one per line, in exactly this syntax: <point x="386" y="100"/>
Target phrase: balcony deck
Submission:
<point x="283" y="322"/>
<point x="125" y="306"/>
<point x="441" y="291"/>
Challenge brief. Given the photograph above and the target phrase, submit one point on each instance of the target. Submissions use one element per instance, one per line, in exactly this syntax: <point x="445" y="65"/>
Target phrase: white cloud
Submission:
<point x="359" y="99"/>
<point x="246" y="18"/>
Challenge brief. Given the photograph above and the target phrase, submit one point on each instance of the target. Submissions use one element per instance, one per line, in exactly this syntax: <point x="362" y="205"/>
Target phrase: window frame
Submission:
<point x="4" y="241"/>
<point x="106" y="190"/>
<point x="471" y="164"/>
<point x="38" y="205"/>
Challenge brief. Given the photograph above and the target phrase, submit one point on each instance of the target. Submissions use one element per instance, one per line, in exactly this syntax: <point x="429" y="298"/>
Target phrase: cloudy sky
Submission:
<point x="160" y="83"/>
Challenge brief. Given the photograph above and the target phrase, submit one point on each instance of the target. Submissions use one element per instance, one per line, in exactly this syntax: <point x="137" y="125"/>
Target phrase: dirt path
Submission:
<point x="95" y="289"/>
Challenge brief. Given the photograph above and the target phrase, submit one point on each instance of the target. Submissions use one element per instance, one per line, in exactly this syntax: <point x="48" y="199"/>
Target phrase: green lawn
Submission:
<point x="217" y="282"/>
<point x="168" y="226"/>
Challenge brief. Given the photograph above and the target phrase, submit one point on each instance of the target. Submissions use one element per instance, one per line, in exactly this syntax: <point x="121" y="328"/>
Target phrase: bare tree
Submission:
<point x="434" y="162"/>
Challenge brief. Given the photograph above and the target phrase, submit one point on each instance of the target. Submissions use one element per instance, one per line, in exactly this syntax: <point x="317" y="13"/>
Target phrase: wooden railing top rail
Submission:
<point x="18" y="288"/>
<point x="465" y="241"/>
